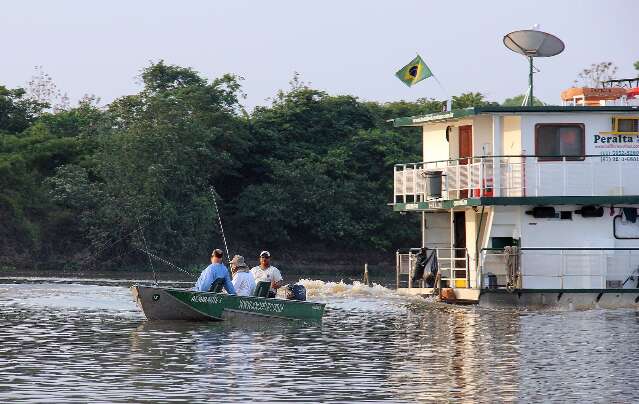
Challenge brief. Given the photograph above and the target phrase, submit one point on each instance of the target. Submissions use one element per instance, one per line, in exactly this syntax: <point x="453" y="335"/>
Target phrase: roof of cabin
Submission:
<point x="467" y="112"/>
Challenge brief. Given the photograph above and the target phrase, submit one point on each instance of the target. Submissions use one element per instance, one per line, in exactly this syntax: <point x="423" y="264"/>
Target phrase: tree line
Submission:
<point x="309" y="171"/>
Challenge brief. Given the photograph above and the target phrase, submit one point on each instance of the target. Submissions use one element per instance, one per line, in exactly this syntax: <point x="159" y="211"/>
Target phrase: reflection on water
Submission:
<point x="77" y="342"/>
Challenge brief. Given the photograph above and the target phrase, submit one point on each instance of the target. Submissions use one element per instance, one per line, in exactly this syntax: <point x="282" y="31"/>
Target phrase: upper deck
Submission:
<point x="522" y="155"/>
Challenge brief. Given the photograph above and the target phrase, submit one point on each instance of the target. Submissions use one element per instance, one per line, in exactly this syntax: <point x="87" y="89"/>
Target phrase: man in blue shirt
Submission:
<point x="217" y="270"/>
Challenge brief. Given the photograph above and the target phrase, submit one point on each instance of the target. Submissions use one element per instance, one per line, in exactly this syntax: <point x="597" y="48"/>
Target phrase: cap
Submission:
<point x="265" y="254"/>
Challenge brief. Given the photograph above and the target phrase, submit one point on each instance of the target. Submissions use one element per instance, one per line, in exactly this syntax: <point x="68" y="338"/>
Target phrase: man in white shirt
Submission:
<point x="242" y="279"/>
<point x="268" y="273"/>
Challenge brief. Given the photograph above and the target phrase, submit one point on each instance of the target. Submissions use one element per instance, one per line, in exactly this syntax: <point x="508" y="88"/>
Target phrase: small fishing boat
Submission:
<point x="161" y="303"/>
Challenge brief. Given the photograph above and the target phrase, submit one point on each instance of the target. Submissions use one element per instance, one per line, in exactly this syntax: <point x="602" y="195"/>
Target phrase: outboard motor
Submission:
<point x="296" y="292"/>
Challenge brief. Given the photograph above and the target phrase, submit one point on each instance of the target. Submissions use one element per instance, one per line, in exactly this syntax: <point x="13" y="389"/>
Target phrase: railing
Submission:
<point x="564" y="268"/>
<point x="452" y="266"/>
<point x="517" y="176"/>
<point x="619" y="102"/>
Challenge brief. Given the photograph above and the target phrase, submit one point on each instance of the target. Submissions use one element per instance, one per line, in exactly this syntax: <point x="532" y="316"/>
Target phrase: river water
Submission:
<point x="79" y="340"/>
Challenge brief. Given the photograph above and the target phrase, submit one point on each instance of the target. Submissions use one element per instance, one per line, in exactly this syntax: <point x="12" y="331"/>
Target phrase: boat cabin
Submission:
<point x="524" y="198"/>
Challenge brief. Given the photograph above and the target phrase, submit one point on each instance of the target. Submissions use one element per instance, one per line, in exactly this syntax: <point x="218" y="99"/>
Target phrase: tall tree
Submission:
<point x="322" y="172"/>
<point x="467" y="100"/>
<point x="594" y="75"/>
<point x="38" y="230"/>
<point x="41" y="88"/>
<point x="17" y="111"/>
<point x="164" y="148"/>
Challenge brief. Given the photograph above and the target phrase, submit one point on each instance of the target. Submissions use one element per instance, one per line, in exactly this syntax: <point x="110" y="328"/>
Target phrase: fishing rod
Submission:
<point x="109" y="243"/>
<point x="145" y="250"/>
<point x="146" y="247"/>
<point x="219" y="219"/>
<point x="162" y="260"/>
<point x="150" y="255"/>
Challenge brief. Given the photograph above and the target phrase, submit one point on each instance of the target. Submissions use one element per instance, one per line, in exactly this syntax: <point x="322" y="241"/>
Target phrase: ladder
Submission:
<point x="453" y="267"/>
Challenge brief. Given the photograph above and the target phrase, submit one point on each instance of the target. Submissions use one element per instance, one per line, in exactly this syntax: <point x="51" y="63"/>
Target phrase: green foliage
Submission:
<point x="468" y="100"/>
<point x="85" y="120"/>
<point x="161" y="77"/>
<point x="391" y="110"/>
<point x="306" y="122"/>
<point x="165" y="147"/>
<point x="17" y="112"/>
<point x="637" y="65"/>
<point x="309" y="169"/>
<point x="517" y="100"/>
<point x="32" y="223"/>
<point x="323" y="170"/>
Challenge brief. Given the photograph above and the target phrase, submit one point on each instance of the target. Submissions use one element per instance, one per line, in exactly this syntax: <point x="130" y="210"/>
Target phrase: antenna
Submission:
<point x="533" y="44"/>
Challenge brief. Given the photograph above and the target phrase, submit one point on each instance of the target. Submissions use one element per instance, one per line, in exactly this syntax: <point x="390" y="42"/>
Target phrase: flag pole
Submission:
<point x="449" y="100"/>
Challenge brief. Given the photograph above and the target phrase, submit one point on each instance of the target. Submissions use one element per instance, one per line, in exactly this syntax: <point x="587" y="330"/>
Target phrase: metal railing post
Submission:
<point x="469" y="179"/>
<point x="404" y="181"/>
<point x="397" y="269"/>
<point x="415" y="183"/>
<point x="482" y="180"/>
<point x="467" y="269"/>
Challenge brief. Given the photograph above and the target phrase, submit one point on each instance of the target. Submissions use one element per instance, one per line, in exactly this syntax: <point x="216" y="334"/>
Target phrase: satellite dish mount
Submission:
<point x="532" y="44"/>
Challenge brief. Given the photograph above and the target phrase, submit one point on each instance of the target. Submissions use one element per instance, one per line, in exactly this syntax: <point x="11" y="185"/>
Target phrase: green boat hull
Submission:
<point x="180" y="304"/>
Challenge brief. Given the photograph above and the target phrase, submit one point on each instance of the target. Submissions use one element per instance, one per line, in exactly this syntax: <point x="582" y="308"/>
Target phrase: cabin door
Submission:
<point x="459" y="240"/>
<point x="465" y="150"/>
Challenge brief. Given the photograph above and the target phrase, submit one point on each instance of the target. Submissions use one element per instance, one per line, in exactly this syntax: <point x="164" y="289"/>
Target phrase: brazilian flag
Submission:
<point x="414" y="72"/>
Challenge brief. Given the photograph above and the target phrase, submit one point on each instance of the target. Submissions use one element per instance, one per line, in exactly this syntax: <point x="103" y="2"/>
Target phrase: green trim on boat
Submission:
<point x="214" y="305"/>
<point x="526" y="200"/>
<point x="560" y="200"/>
<point x="461" y="113"/>
<point x="604" y="291"/>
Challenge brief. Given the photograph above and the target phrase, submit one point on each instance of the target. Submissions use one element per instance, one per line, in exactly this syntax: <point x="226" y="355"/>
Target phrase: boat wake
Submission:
<point x="69" y="298"/>
<point x="356" y="296"/>
<point x="114" y="296"/>
<point x="320" y="289"/>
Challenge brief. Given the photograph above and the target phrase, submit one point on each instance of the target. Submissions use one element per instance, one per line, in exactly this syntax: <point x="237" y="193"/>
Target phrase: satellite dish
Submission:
<point x="533" y="44"/>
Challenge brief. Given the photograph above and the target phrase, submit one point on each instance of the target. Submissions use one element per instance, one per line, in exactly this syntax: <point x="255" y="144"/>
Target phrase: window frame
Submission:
<point x="581" y="157"/>
<point x="615" y="124"/>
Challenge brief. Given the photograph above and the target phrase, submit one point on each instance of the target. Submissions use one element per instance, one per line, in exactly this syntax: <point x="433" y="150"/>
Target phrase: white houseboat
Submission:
<point x="526" y="206"/>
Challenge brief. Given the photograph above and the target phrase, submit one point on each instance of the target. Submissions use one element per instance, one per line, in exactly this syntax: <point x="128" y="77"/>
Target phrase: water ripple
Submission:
<point x="79" y="342"/>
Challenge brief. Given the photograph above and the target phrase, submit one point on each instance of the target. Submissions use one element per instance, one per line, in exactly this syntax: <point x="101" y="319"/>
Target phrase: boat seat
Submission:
<point x="217" y="286"/>
<point x="262" y="288"/>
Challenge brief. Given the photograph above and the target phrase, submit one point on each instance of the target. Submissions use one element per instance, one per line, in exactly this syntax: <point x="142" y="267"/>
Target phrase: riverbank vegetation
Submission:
<point x="309" y="175"/>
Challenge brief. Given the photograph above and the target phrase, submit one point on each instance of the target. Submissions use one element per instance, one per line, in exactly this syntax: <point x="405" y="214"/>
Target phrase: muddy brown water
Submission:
<point x="84" y="340"/>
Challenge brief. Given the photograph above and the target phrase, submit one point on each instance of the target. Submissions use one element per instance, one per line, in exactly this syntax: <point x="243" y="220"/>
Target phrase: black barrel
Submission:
<point x="433" y="184"/>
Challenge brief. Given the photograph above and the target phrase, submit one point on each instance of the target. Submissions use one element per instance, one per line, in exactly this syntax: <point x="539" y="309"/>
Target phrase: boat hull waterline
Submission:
<point x="160" y="303"/>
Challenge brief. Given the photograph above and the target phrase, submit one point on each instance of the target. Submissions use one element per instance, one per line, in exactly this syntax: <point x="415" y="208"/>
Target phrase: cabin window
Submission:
<point x="501" y="242"/>
<point x="625" y="125"/>
<point x="554" y="140"/>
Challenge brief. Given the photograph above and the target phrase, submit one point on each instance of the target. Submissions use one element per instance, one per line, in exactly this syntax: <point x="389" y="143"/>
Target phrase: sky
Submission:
<point x="341" y="47"/>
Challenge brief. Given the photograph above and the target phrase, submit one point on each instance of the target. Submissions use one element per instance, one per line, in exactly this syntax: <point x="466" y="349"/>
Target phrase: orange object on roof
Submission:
<point x="592" y="96"/>
<point x="632" y="92"/>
